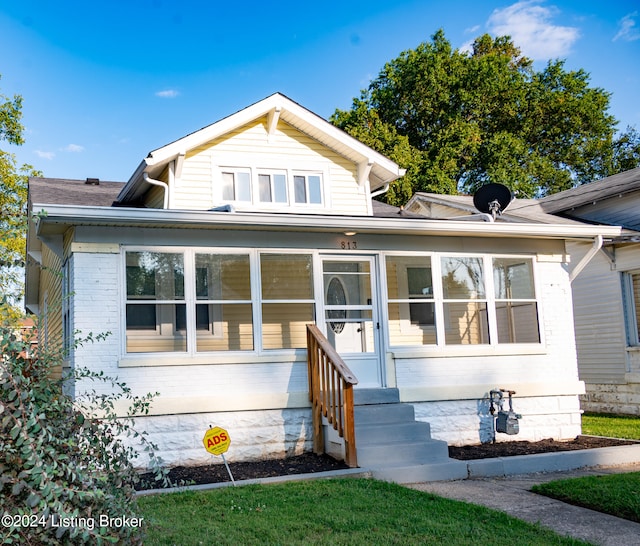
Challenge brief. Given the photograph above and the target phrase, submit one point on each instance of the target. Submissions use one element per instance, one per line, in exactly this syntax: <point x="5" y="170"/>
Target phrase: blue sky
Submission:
<point x="105" y="82"/>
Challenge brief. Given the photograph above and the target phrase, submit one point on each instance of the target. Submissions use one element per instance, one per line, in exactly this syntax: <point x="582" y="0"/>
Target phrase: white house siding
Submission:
<point x="545" y="381"/>
<point x="287" y="148"/>
<point x="610" y="369"/>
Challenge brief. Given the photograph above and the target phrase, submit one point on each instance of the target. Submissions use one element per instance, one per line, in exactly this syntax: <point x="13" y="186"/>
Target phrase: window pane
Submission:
<point x="402" y="331"/>
<point x="300" y="189"/>
<point x="284" y="325"/>
<point x="462" y="278"/>
<point x="155" y="276"/>
<point x="466" y="323"/>
<point x="315" y="192"/>
<point x="243" y="186"/>
<point x="230" y="328"/>
<point x="513" y="278"/>
<point x="165" y="336"/>
<point x="223" y="277"/>
<point x="286" y="276"/>
<point x="228" y="193"/>
<point x="264" y="183"/>
<point x="348" y="281"/>
<point x="517" y="322"/>
<point x="280" y="188"/>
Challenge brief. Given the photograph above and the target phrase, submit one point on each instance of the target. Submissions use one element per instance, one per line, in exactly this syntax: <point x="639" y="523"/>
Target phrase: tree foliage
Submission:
<point x="457" y="120"/>
<point x="64" y="469"/>
<point x="13" y="202"/>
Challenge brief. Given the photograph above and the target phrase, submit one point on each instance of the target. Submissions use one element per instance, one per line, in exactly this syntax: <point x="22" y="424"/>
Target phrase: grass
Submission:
<point x="615" y="494"/>
<point x="340" y="511"/>
<point x="612" y="426"/>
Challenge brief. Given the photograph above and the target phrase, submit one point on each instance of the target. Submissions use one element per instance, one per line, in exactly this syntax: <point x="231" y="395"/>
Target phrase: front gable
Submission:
<point x="273" y="156"/>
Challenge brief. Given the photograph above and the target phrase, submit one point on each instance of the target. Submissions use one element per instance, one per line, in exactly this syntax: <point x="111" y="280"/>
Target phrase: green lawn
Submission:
<point x="340" y="511"/>
<point x="617" y="494"/>
<point x="612" y="426"/>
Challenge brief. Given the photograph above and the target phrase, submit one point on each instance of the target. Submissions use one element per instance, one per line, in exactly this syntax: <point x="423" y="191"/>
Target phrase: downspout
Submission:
<point x="162" y="185"/>
<point x="597" y="245"/>
<point x="384" y="189"/>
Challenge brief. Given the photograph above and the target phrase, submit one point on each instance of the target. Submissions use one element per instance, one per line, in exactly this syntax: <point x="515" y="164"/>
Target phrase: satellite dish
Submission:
<point x="492" y="199"/>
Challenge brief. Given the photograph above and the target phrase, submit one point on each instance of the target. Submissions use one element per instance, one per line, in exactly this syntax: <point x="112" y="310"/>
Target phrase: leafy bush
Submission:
<point x="66" y="475"/>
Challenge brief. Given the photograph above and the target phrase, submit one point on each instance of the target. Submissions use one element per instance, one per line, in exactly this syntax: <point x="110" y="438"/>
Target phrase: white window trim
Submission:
<point x="629" y="305"/>
<point x="493" y="347"/>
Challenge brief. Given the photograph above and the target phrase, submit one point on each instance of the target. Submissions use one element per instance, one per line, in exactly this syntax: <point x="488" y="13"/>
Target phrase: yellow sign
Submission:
<point x="216" y="440"/>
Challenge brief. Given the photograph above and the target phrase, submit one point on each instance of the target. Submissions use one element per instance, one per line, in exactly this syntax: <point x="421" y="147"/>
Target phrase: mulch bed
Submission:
<point x="308" y="463"/>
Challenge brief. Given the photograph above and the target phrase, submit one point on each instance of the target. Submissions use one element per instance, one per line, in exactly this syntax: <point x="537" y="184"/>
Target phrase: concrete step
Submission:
<point x="392" y="433"/>
<point x="382" y="414"/>
<point x="440" y="471"/>
<point x="375" y="396"/>
<point x="402" y="453"/>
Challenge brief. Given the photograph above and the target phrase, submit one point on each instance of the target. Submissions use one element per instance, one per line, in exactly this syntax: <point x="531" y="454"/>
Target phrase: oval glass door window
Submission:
<point x="336" y="296"/>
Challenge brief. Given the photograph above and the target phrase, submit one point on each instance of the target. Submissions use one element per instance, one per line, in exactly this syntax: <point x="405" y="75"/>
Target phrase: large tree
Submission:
<point x="456" y="120"/>
<point x="13" y="199"/>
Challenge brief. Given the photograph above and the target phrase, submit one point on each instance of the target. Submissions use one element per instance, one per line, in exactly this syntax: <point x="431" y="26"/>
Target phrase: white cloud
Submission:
<point x="74" y="148"/>
<point x="167" y="94"/>
<point x="529" y="25"/>
<point x="629" y="31"/>
<point x="45" y="155"/>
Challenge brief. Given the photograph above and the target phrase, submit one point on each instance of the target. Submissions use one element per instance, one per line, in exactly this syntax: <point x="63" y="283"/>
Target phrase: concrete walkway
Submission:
<point x="511" y="494"/>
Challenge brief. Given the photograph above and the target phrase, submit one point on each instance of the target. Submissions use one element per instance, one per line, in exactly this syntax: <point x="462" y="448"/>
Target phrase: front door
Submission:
<point x="350" y="315"/>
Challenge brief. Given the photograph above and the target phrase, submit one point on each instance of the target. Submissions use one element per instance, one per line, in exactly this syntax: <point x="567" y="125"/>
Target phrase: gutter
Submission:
<point x="66" y="215"/>
<point x="597" y="245"/>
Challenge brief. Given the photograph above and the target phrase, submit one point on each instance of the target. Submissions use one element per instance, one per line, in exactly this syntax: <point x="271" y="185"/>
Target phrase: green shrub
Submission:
<point x="66" y="475"/>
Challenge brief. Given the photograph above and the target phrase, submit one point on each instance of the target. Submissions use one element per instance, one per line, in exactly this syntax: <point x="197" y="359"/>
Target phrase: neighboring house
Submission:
<point x="207" y="265"/>
<point x="605" y="285"/>
<point x="607" y="292"/>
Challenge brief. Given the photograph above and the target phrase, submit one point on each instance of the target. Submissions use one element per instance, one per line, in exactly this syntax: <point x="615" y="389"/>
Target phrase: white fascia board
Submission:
<point x="65" y="215"/>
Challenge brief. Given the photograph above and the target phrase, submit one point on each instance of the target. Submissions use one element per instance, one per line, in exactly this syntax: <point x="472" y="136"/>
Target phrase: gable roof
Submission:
<point x="379" y="169"/>
<point x="606" y="188"/>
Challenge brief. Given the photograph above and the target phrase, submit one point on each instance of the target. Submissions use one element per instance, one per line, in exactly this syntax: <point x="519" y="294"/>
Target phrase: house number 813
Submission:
<point x="348" y="245"/>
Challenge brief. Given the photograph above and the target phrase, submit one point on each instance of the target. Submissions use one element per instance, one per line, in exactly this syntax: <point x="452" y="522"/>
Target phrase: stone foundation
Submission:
<point x="621" y="398"/>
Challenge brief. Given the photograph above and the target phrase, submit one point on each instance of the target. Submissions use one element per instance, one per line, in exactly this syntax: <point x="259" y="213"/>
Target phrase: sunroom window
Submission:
<point x="449" y="300"/>
<point x="411" y="304"/>
<point x="223" y="310"/>
<point x="516" y="307"/>
<point x="155" y="302"/>
<point x="464" y="301"/>
<point x="287" y="299"/>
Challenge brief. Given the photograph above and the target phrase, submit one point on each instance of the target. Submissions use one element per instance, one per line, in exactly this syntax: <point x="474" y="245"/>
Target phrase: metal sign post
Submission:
<point x="216" y="441"/>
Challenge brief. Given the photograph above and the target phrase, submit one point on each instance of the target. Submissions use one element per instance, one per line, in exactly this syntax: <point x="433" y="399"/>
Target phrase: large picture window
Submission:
<point x="631" y="292"/>
<point x="450" y="300"/>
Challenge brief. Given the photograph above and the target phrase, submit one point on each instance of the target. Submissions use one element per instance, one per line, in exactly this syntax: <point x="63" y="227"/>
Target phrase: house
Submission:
<point x="206" y="266"/>
<point x="607" y="292"/>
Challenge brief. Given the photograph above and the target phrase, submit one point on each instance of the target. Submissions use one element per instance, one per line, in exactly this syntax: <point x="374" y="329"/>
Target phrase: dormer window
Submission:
<point x="307" y="188"/>
<point x="269" y="187"/>
<point x="236" y="186"/>
<point x="272" y="187"/>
